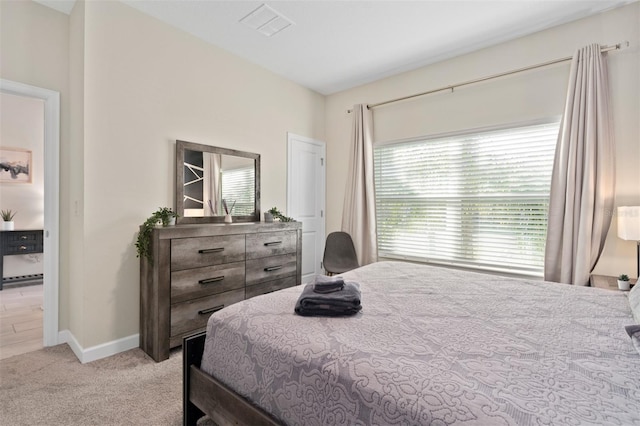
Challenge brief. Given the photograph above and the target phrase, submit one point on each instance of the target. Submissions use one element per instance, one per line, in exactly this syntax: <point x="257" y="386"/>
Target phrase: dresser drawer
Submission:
<point x="266" y="244"/>
<point x="193" y="315"/>
<point x="270" y="268"/>
<point x="270" y="286"/>
<point x="187" y="253"/>
<point x="199" y="282"/>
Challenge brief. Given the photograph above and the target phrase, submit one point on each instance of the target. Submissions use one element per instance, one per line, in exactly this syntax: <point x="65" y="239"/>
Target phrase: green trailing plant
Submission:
<point x="165" y="214"/>
<point x="7" y="215"/>
<point x="162" y="215"/>
<point x="277" y="215"/>
<point x="623" y="277"/>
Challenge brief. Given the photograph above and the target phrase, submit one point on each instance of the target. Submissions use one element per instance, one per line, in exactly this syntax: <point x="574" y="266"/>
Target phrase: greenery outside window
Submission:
<point x="476" y="200"/>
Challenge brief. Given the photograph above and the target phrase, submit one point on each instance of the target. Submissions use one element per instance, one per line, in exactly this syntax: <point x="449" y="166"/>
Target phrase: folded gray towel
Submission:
<point x="325" y="284"/>
<point x="337" y="303"/>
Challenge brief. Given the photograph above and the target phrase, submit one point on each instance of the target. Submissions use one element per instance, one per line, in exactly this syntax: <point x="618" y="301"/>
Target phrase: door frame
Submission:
<point x="51" y="230"/>
<point x="290" y="140"/>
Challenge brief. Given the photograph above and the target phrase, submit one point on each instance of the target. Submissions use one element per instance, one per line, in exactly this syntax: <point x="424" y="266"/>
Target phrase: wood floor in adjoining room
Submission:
<point x="20" y="320"/>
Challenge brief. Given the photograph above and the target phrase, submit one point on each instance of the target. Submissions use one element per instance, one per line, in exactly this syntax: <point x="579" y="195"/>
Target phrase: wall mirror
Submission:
<point x="208" y="178"/>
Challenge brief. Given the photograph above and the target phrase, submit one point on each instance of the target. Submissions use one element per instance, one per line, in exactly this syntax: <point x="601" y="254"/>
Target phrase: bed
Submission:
<point x="431" y="346"/>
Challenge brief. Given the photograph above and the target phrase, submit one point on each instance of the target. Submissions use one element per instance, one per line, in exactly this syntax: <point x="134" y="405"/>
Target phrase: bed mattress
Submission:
<point x="434" y="346"/>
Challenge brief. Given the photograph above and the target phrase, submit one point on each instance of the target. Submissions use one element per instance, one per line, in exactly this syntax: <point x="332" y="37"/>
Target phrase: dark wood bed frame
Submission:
<point x="204" y="395"/>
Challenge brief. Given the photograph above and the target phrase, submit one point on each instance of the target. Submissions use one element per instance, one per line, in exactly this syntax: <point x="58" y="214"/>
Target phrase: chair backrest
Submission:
<point x="339" y="253"/>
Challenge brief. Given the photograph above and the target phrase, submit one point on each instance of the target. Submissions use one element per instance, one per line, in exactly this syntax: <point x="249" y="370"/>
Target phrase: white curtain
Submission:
<point x="359" y="214"/>
<point x="212" y="190"/>
<point x="583" y="180"/>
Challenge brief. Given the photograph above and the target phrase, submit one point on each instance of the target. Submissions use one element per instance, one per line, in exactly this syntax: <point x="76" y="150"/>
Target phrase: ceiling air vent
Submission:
<point x="266" y="21"/>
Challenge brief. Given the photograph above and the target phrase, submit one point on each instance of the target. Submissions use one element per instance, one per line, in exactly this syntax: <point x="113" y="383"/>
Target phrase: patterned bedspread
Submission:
<point x="434" y="346"/>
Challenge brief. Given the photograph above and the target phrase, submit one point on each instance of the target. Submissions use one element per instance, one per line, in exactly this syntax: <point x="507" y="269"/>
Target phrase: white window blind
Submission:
<point x="475" y="200"/>
<point x="237" y="185"/>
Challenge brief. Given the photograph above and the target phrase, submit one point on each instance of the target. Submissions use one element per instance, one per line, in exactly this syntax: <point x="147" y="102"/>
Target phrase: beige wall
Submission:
<point x="130" y="86"/>
<point x="527" y="96"/>
<point x="22" y="126"/>
<point x="147" y="84"/>
<point x="34" y="49"/>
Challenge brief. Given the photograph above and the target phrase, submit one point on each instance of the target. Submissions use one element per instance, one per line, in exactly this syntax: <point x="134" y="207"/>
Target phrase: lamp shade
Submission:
<point x="629" y="223"/>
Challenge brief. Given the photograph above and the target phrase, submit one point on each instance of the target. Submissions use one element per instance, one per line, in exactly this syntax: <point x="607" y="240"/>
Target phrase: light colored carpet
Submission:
<point x="51" y="387"/>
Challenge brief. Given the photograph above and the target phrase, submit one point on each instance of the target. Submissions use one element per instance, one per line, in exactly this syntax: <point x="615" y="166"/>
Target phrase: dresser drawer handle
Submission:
<point x="273" y="243"/>
<point x="213" y="250"/>
<point x="24" y="237"/>
<point x="272" y="268"/>
<point x="22" y="248"/>
<point x="211" y="280"/>
<point x="210" y="310"/>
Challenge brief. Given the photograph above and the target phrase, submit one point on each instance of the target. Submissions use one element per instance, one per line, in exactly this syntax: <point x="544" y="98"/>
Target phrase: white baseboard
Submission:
<point x="99" y="351"/>
<point x="65" y="336"/>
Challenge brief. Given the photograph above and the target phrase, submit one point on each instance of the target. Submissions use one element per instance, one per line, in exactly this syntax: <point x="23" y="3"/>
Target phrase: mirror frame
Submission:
<point x="181" y="146"/>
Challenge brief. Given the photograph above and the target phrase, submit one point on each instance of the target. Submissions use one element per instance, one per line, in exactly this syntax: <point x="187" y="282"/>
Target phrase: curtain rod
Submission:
<point x="451" y="87"/>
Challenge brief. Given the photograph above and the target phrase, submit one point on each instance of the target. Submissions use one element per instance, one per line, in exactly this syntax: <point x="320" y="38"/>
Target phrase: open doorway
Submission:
<point x="21" y="238"/>
<point x="49" y="203"/>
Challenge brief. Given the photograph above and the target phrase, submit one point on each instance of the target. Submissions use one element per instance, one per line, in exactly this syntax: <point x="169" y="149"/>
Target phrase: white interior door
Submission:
<point x="306" y="198"/>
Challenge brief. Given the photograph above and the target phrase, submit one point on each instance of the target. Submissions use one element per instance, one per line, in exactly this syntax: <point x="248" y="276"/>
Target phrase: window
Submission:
<point x="477" y="200"/>
<point x="238" y="186"/>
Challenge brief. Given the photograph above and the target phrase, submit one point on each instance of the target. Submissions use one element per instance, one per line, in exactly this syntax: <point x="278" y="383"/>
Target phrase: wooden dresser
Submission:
<point x="200" y="269"/>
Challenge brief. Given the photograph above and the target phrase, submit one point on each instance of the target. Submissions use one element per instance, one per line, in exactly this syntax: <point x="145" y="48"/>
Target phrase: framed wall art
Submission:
<point x="15" y="165"/>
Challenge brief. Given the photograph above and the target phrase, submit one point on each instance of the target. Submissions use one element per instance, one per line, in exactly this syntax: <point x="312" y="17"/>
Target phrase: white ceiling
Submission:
<point x="336" y="45"/>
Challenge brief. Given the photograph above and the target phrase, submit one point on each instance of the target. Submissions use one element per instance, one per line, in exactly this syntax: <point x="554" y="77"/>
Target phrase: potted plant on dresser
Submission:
<point x="623" y="282"/>
<point x="164" y="216"/>
<point x="276" y="214"/>
<point x="7" y="220"/>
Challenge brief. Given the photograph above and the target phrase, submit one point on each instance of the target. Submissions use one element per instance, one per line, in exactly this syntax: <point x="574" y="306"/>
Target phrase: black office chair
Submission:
<point x="339" y="253"/>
